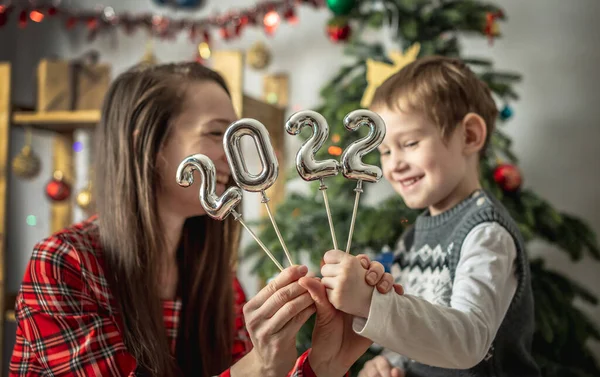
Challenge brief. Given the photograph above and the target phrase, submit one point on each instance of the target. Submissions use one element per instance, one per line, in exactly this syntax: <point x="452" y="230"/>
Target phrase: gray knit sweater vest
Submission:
<point x="510" y="353"/>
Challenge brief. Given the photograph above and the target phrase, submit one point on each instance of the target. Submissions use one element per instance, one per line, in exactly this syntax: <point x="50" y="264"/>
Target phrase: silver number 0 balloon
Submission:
<point x="217" y="207"/>
<point x="352" y="165"/>
<point x="308" y="167"/>
<point x="233" y="149"/>
<point x="239" y="171"/>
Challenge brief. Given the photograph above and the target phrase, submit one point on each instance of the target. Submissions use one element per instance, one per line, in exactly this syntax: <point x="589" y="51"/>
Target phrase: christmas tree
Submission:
<point x="561" y="328"/>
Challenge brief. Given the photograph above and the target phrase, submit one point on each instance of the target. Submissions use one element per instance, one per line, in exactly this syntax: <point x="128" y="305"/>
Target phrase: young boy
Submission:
<point x="468" y="307"/>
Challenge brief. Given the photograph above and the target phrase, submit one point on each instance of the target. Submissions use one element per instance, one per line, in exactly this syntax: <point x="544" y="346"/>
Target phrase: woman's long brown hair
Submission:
<point x="144" y="101"/>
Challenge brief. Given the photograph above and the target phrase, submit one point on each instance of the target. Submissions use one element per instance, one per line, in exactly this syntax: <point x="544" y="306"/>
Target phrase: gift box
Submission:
<point x="78" y="84"/>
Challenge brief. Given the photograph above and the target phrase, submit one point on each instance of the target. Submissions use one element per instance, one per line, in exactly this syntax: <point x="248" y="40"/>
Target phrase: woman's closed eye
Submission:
<point x="411" y="144"/>
<point x="214" y="133"/>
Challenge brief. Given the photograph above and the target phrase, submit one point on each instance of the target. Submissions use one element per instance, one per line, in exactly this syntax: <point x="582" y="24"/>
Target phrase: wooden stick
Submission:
<point x="265" y="200"/>
<point x="238" y="217"/>
<point x="323" y="189"/>
<point x="358" y="190"/>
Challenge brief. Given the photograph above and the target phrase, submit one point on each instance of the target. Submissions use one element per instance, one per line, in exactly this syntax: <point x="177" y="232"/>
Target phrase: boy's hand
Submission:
<point x="376" y="276"/>
<point x="344" y="278"/>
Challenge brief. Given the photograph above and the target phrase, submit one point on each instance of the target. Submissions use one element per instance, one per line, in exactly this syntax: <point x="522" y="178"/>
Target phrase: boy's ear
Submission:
<point x="474" y="133"/>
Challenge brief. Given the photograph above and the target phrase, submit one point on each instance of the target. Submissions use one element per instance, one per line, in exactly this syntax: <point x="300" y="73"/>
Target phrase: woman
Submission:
<point x="146" y="287"/>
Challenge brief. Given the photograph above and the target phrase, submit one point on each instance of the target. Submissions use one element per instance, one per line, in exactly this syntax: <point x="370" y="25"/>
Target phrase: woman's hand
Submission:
<point x="379" y="366"/>
<point x="273" y="318"/>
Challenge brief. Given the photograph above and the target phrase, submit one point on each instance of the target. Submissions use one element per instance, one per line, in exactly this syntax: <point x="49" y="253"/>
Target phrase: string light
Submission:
<point x="204" y="50"/>
<point x="31" y="220"/>
<point x="272" y="98"/>
<point x="230" y="24"/>
<point x="36" y="16"/>
<point x="271" y="21"/>
<point x="334" y="150"/>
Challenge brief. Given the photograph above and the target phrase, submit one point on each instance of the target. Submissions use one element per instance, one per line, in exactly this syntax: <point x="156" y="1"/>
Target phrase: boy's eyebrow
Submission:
<point x="413" y="131"/>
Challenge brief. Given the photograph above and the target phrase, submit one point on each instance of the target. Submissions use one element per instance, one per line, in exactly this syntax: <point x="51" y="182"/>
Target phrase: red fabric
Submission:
<point x="303" y="366"/>
<point x="66" y="318"/>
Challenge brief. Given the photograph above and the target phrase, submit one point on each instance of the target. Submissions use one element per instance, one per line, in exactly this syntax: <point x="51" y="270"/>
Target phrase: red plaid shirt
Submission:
<point x="67" y="321"/>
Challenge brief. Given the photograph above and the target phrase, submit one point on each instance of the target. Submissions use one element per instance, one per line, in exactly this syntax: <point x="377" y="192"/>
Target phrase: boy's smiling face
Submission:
<point x="426" y="169"/>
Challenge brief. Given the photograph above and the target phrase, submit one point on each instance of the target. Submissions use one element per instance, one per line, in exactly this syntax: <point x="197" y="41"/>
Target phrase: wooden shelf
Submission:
<point x="57" y="120"/>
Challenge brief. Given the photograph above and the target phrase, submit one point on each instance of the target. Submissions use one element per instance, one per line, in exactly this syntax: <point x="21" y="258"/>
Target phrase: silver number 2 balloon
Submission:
<point x="352" y="165"/>
<point x="270" y="168"/>
<point x="217" y="207"/>
<point x="308" y="167"/>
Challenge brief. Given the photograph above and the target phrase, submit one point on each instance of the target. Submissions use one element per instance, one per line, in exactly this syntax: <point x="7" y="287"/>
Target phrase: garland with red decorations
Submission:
<point x="266" y="14"/>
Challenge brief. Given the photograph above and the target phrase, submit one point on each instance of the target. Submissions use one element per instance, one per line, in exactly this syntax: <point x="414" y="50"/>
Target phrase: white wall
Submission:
<point x="555" y="127"/>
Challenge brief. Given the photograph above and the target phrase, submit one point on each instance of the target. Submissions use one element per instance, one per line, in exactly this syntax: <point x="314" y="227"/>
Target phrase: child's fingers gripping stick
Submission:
<point x="335" y="256"/>
<point x="332" y="270"/>
<point x="384" y="281"/>
<point x="364" y="261"/>
<point x="344" y="278"/>
<point x="375" y="273"/>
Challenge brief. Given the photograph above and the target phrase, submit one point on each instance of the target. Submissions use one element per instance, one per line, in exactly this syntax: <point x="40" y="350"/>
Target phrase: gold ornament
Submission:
<point x="84" y="198"/>
<point x="26" y="164"/>
<point x="259" y="56"/>
<point x="378" y="72"/>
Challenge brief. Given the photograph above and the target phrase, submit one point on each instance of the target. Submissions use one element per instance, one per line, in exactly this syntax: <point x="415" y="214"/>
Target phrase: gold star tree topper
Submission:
<point x="378" y="72"/>
<point x="149" y="58"/>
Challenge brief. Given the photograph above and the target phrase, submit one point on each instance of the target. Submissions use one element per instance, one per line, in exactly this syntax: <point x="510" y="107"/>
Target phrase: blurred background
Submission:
<point x="290" y="52"/>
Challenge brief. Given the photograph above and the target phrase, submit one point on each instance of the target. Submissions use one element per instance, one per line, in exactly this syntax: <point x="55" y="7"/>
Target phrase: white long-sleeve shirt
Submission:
<point x="456" y="336"/>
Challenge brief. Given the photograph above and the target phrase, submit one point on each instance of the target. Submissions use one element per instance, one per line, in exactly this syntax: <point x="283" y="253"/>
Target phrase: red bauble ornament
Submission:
<point x="491" y="28"/>
<point x="508" y="177"/>
<point x="57" y="189"/>
<point x="338" y="30"/>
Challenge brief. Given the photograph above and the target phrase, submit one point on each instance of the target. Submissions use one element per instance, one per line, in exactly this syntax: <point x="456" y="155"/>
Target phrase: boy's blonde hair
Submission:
<point x="442" y="88"/>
